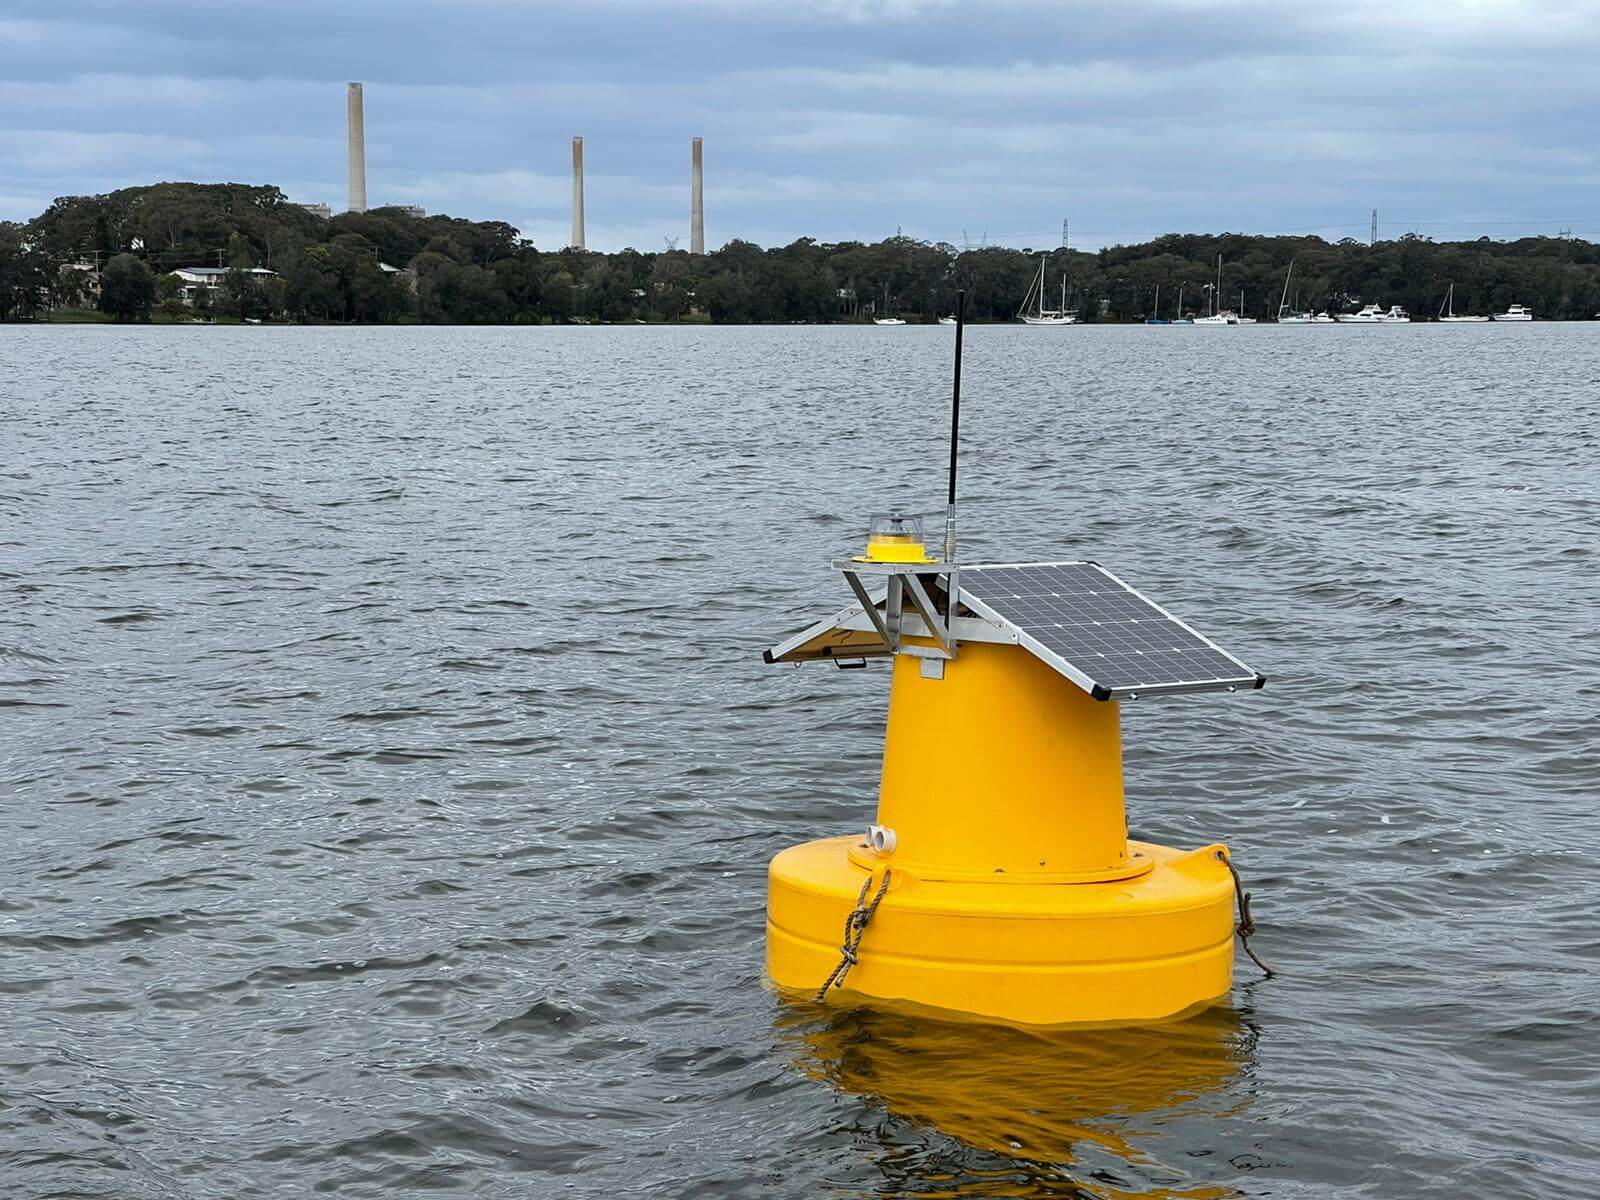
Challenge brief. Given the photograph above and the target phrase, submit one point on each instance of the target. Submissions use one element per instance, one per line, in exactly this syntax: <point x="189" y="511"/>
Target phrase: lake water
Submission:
<point x="389" y="770"/>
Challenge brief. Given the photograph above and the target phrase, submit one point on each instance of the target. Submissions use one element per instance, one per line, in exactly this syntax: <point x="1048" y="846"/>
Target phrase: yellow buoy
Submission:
<point x="998" y="878"/>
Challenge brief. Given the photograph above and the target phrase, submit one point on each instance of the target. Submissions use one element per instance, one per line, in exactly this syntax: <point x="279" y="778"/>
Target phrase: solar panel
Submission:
<point x="1099" y="632"/>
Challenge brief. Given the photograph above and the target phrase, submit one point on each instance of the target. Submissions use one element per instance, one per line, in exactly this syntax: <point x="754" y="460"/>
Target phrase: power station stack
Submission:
<point x="357" y="145"/>
<point x="697" y="201"/>
<point x="577" y="194"/>
<point x="358" y="151"/>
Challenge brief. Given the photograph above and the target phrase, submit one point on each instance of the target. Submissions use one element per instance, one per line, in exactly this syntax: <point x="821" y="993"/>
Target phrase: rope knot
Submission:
<point x="855" y="926"/>
<point x="1247" y="924"/>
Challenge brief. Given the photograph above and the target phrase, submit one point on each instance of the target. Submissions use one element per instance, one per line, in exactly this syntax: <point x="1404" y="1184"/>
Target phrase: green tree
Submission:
<point x="169" y="298"/>
<point x="556" y="296"/>
<point x="127" y="288"/>
<point x="449" y="292"/>
<point x="377" y="297"/>
<point x="239" y="298"/>
<point x="312" y="289"/>
<point x="240" y="252"/>
<point x="24" y="273"/>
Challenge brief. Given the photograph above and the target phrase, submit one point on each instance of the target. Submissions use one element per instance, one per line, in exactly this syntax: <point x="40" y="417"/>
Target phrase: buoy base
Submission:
<point x="1130" y="951"/>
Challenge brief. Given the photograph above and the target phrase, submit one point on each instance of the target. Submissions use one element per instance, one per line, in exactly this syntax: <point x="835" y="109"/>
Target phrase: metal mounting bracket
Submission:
<point x="904" y="583"/>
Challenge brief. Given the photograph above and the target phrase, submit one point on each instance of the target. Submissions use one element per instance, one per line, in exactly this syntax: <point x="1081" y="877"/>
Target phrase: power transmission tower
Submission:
<point x="1063" y="233"/>
<point x="1373" y="240"/>
<point x="672" y="243"/>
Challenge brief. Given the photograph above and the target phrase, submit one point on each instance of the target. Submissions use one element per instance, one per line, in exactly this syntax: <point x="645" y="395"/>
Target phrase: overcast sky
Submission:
<point x="834" y="118"/>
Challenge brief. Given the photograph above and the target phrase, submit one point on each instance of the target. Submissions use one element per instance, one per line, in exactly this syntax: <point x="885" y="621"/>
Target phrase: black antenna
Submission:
<point x="955" y="432"/>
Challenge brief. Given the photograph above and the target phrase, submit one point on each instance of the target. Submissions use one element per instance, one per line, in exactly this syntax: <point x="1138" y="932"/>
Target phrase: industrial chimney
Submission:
<point x="358" y="152"/>
<point x="697" y="202"/>
<point x="577" y="193"/>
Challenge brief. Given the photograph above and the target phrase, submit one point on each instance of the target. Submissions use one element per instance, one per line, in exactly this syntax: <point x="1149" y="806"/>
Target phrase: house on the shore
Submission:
<point x="405" y="275"/>
<point x="77" y="285"/>
<point x="203" y="283"/>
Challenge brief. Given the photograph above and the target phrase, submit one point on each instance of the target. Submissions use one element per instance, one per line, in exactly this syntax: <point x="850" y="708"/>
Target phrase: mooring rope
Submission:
<point x="855" y="925"/>
<point x="1247" y="925"/>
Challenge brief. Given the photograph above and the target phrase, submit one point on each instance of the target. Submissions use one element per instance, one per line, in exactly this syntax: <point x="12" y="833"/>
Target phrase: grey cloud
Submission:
<point x="834" y="118"/>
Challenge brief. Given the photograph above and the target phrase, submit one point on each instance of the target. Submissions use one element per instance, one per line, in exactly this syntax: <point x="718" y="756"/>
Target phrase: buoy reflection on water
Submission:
<point x="1061" y="1104"/>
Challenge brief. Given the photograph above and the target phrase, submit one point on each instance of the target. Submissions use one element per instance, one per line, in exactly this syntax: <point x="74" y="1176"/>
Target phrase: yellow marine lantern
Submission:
<point x="895" y="539"/>
<point x="998" y="879"/>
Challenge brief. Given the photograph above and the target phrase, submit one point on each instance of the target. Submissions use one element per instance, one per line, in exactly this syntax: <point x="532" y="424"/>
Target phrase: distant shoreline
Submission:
<point x="96" y="319"/>
<point x="172" y="252"/>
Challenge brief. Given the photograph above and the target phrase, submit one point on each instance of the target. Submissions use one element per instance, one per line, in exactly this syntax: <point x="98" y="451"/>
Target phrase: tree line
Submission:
<point x="389" y="265"/>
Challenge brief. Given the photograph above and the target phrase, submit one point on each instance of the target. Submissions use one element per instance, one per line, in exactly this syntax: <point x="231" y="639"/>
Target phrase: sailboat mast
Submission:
<point x="1036" y="282"/>
<point x="1283" y="300"/>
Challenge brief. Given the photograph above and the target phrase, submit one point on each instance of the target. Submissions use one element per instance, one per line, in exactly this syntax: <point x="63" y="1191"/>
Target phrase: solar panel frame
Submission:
<point x="1183" y="671"/>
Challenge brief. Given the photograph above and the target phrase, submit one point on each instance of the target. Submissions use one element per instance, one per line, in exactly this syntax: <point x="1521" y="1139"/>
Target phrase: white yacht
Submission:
<point x="1447" y="310"/>
<point x="947" y="320"/>
<point x="887" y="321"/>
<point x="1042" y="315"/>
<point x="1373" y="315"/>
<point x="1515" y="313"/>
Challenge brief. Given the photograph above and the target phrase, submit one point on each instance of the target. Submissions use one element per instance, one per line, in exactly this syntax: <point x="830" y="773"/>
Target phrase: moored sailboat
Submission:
<point x="1218" y="315"/>
<point x="1180" y="319"/>
<point x="1447" y="310"/>
<point x="1042" y="315"/>
<point x="1157" y="318"/>
<point x="1300" y="316"/>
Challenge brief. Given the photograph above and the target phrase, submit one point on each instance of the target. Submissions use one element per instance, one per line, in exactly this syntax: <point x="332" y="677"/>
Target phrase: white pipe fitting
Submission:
<point x="881" y="839"/>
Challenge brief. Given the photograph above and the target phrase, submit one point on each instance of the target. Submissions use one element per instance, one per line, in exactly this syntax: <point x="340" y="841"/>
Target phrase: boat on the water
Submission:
<point x="1298" y="317"/>
<point x="947" y="320"/>
<point x="1515" y="313"/>
<point x="1218" y="315"/>
<point x="887" y="321"/>
<point x="1447" y="310"/>
<point x="1372" y="314"/>
<point x="1040" y="314"/>
<point x="1180" y="319"/>
<point x="1157" y="319"/>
